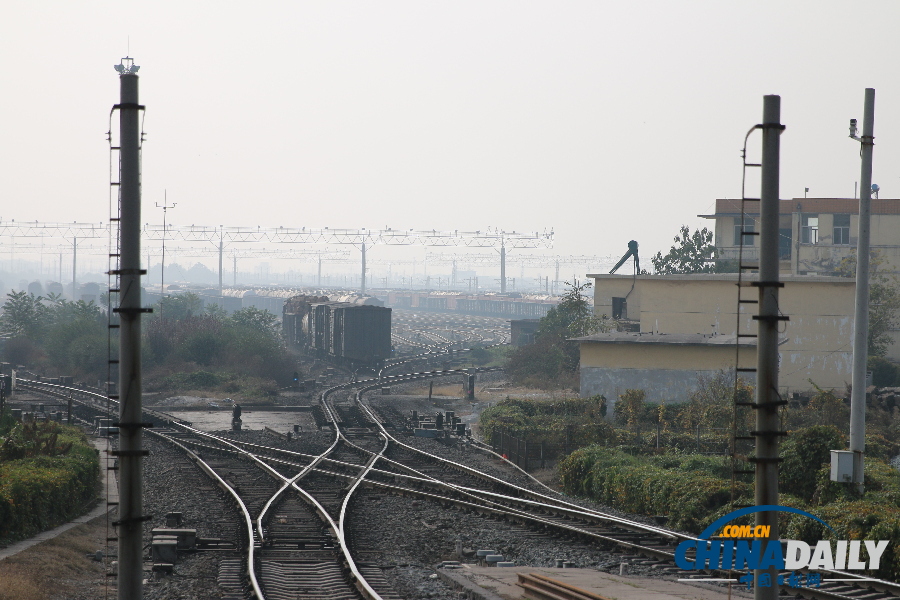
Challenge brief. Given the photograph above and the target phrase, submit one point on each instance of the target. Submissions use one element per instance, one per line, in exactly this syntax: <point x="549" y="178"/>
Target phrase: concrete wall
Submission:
<point x="667" y="373"/>
<point x="660" y="385"/>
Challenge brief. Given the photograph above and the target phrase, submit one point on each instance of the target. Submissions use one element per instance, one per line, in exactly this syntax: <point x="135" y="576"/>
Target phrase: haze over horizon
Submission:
<point x="603" y="121"/>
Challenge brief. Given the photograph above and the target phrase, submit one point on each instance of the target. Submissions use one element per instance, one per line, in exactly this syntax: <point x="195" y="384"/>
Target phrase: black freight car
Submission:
<point x="295" y="319"/>
<point x="348" y="333"/>
<point x="321" y="331"/>
<point x="361" y="335"/>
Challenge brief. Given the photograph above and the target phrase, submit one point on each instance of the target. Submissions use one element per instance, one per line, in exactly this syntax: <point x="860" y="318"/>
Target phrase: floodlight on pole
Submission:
<point x="127" y="66"/>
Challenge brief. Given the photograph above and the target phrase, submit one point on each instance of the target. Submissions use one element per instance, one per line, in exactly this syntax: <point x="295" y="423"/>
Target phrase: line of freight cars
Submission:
<point x="272" y="300"/>
<point x="351" y="334"/>
<point x="517" y="306"/>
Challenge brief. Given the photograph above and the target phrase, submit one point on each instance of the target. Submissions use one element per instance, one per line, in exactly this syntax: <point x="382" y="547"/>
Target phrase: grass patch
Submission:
<point x="57" y="567"/>
<point x="454" y="391"/>
<point x="212" y="384"/>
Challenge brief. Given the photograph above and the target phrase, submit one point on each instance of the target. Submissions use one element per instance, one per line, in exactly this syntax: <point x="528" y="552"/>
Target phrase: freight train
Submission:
<point x="516" y="306"/>
<point x="353" y="334"/>
<point x="272" y="300"/>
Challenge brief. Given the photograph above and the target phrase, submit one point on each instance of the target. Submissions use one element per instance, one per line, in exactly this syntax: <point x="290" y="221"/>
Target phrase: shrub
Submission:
<point x="42" y="491"/>
<point x="854" y="519"/>
<point x="884" y="372"/>
<point x="575" y="421"/>
<point x="630" y="407"/>
<point x="689" y="498"/>
<point x="27" y="440"/>
<point x="803" y="453"/>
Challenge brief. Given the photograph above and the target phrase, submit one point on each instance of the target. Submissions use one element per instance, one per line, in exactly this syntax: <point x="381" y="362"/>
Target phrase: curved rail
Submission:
<point x="537" y="499"/>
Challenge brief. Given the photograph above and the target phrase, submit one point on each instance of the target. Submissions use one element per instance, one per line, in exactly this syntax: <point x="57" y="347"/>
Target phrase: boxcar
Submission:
<point x="361" y="334"/>
<point x="352" y="334"/>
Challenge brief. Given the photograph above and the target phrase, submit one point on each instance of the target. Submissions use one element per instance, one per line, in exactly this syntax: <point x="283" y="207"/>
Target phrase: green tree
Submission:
<point x="803" y="454"/>
<point x="691" y="253"/>
<point x="825" y="408"/>
<point x="712" y="401"/>
<point x="552" y="359"/>
<point x="24" y="315"/>
<point x="178" y="307"/>
<point x="67" y="336"/>
<point x="256" y="319"/>
<point x="63" y="311"/>
<point x="573" y="317"/>
<point x="201" y="340"/>
<point x="216" y="311"/>
<point x="77" y="340"/>
<point x="884" y="300"/>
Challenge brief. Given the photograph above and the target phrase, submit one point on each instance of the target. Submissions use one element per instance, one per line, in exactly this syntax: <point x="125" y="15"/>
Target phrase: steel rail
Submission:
<point x="477" y="505"/>
<point x="248" y="520"/>
<point x="880" y="585"/>
<point x="475" y="493"/>
<point x="554" y="503"/>
<point x="358" y="579"/>
<point x="465" y="468"/>
<point x="523" y="517"/>
<point x="367" y="591"/>
<point x="251" y="567"/>
<point x="814" y="593"/>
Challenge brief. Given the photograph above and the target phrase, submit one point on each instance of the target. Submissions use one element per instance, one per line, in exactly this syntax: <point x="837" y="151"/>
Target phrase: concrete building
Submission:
<point x="522" y="331"/>
<point x="685" y="325"/>
<point x="665" y="366"/>
<point x="815" y="233"/>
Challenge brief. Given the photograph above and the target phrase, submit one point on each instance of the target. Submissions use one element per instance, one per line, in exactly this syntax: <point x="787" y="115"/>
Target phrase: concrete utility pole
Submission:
<point x="502" y="268"/>
<point x="861" y="320"/>
<point x="362" y="286"/>
<point x="162" y="277"/>
<point x="131" y="517"/>
<point x="74" y="264"/>
<point x="221" y="256"/>
<point x="768" y="402"/>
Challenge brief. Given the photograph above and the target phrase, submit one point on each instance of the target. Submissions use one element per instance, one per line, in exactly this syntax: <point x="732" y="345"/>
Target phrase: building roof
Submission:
<point x="668" y="339"/>
<point x="786" y="278"/>
<point x="732" y="207"/>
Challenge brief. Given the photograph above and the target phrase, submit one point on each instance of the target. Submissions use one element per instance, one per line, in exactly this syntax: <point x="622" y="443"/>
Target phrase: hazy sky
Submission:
<point x="607" y="121"/>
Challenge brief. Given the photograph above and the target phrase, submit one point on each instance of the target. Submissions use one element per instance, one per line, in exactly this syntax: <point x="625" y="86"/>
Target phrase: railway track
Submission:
<point x="296" y="506"/>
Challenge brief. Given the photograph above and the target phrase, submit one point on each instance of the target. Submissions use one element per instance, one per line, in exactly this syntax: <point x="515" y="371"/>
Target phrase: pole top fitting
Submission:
<point x="126" y="66"/>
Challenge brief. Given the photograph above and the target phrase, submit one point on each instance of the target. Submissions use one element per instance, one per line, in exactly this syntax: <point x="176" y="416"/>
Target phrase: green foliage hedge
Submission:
<point x="803" y="453"/>
<point x="41" y="492"/>
<point x="689" y="490"/>
<point x="869" y="519"/>
<point x="578" y="420"/>
<point x="693" y="491"/>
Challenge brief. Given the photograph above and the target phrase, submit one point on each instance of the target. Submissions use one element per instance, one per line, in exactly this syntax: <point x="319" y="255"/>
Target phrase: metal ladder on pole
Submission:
<point x="112" y="301"/>
<point x="743" y="441"/>
<point x="112" y="273"/>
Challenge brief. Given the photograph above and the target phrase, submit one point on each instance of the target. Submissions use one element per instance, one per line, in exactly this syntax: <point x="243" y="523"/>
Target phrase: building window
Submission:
<point x="619" y="308"/>
<point x="748" y="228"/>
<point x="784" y="243"/>
<point x="841" y="230"/>
<point x="809" y="232"/>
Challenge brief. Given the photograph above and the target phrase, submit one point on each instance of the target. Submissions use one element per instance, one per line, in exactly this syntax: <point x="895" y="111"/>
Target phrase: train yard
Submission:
<point x="367" y="498"/>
